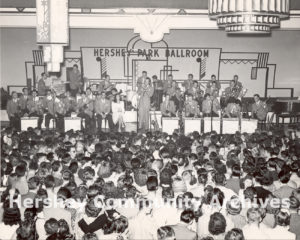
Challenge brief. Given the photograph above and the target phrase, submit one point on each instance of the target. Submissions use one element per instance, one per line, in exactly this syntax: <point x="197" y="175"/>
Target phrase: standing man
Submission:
<point x="13" y="111"/>
<point x="168" y="83"/>
<point x="42" y="85"/>
<point x="145" y="93"/>
<point x="259" y="109"/>
<point x="75" y="80"/>
<point x="103" y="111"/>
<point x="158" y="91"/>
<point x="188" y="84"/>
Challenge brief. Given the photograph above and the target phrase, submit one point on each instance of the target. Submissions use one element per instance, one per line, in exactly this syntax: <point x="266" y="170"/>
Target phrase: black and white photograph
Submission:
<point x="150" y="120"/>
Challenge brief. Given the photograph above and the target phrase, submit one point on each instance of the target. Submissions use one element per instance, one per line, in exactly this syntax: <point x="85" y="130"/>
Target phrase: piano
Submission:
<point x="287" y="109"/>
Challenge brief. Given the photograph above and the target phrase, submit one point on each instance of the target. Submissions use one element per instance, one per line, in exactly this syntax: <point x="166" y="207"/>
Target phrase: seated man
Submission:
<point x="210" y="106"/>
<point x="167" y="107"/>
<point x="191" y="107"/>
<point x="85" y="108"/>
<point x="35" y="109"/>
<point x="103" y="111"/>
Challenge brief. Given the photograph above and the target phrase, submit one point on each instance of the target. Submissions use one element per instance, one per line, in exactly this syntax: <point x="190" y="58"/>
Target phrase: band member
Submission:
<point x="259" y="109"/>
<point x="213" y="89"/>
<point x="89" y="94"/>
<point x="106" y="85"/>
<point x="102" y="111"/>
<point x="118" y="111"/>
<point x="210" y="105"/>
<point x="167" y="107"/>
<point x="233" y="109"/>
<point x="75" y="80"/>
<point x="85" y="108"/>
<point x="178" y="99"/>
<point x="42" y="85"/>
<point x="141" y="81"/>
<point x="13" y="111"/>
<point x="191" y="107"/>
<point x="234" y="90"/>
<point x="23" y="102"/>
<point x="158" y="91"/>
<point x="188" y="84"/>
<point x="168" y="83"/>
<point x="172" y="90"/>
<point x="145" y="93"/>
<point x="197" y="93"/>
<point x="54" y="110"/>
<point x="214" y="79"/>
<point x="35" y="108"/>
<point x="69" y="103"/>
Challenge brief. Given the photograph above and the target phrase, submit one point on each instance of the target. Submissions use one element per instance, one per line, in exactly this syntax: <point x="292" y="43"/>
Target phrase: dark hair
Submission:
<point x="20" y="170"/>
<point x="49" y="181"/>
<point x="11" y="214"/>
<point x="217" y="224"/>
<point x="152" y="183"/>
<point x="65" y="192"/>
<point x="282" y="219"/>
<point x="235" y="234"/>
<point x="165" y="232"/>
<point x="187" y="216"/>
<point x="90" y="236"/>
<point x="51" y="226"/>
<point x="256" y="95"/>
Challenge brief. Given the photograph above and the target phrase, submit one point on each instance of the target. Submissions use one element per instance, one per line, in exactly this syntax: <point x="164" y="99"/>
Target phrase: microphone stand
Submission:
<point x="211" y="115"/>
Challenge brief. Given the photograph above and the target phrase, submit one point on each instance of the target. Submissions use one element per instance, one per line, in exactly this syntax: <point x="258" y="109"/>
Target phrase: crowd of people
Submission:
<point x="149" y="185"/>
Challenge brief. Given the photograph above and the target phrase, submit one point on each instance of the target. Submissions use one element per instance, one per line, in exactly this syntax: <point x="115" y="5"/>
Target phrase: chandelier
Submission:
<point x="248" y="16"/>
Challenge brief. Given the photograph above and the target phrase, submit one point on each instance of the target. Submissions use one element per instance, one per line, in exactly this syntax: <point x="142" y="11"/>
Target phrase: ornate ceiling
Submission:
<point x="102" y="4"/>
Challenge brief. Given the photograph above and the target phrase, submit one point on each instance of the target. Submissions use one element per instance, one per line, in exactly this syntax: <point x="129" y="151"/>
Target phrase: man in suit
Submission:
<point x="13" y="111"/>
<point x="23" y="102"/>
<point x="103" y="111"/>
<point x="191" y="107"/>
<point x="34" y="106"/>
<point x="69" y="103"/>
<point x="259" y="109"/>
<point x="181" y="229"/>
<point x="167" y="107"/>
<point x="210" y="106"/>
<point x="75" y="80"/>
<point x="42" y="85"/>
<point x="85" y="108"/>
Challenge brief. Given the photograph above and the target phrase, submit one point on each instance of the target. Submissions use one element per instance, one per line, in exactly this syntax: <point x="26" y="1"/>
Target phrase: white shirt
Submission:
<point x="254" y="231"/>
<point x="7" y="231"/>
<point x="281" y="233"/>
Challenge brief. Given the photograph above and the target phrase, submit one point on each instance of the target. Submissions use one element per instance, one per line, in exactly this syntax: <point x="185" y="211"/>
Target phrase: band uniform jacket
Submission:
<point x="171" y="91"/>
<point x="167" y="107"/>
<point x="75" y="79"/>
<point x="54" y="106"/>
<point x="188" y="85"/>
<point x="102" y="106"/>
<point x="42" y="87"/>
<point x="13" y="107"/>
<point x="23" y="101"/>
<point x="34" y="105"/>
<point x="192" y="108"/>
<point x="196" y="92"/>
<point x="69" y="104"/>
<point x="260" y="109"/>
<point x="167" y="85"/>
<point x="86" y="105"/>
<point x="206" y="106"/>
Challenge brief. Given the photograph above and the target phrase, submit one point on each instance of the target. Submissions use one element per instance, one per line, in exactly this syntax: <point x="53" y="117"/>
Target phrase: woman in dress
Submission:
<point x="118" y="111"/>
<point x="145" y="93"/>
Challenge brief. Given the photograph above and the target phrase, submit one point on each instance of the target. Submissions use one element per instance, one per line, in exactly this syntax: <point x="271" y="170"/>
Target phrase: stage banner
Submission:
<point x="123" y="64"/>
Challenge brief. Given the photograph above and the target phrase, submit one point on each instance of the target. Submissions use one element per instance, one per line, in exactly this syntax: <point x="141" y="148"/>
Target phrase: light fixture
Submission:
<point x="52" y="31"/>
<point x="248" y="16"/>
